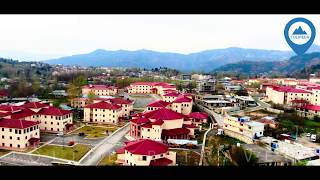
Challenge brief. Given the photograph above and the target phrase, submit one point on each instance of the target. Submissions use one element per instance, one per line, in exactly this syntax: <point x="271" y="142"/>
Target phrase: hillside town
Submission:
<point x="160" y="117"/>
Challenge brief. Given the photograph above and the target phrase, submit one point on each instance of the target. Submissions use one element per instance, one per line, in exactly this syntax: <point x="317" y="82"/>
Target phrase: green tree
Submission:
<point x="91" y="97"/>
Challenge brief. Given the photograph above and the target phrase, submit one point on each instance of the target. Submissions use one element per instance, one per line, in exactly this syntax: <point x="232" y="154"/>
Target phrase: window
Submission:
<point x="26" y="137"/>
<point x="148" y="130"/>
<point x="18" y="138"/>
<point x="16" y="131"/>
<point x="57" y="123"/>
<point x="51" y="129"/>
<point x="58" y="129"/>
<point x="2" y="129"/>
<point x="2" y="137"/>
<point x="3" y="144"/>
<point x="10" y="145"/>
<point x="45" y="122"/>
<point x="51" y="117"/>
<point x="161" y="155"/>
<point x="20" y="131"/>
<point x="144" y="158"/>
<point x="10" y="137"/>
<point x="10" y="130"/>
<point x="36" y="133"/>
<point x="51" y="123"/>
<point x="18" y="145"/>
<point x="45" y="116"/>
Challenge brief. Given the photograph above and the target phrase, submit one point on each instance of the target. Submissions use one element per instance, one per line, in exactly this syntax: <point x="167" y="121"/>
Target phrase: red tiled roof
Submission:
<point x="120" y="151"/>
<point x="5" y="114"/>
<point x="158" y="122"/>
<point x="158" y="103"/>
<point x="164" y="114"/>
<point x="289" y="89"/>
<point x="120" y="101"/>
<point x="148" y="125"/>
<point x="182" y="99"/>
<point x="198" y="115"/>
<point x="174" y="94"/>
<point x="141" y="120"/>
<point x="22" y="114"/>
<point x="8" y="108"/>
<point x="146" y="147"/>
<point x="100" y="87"/>
<point x="173" y="132"/>
<point x="102" y="105"/>
<point x="53" y="111"/>
<point x="34" y="105"/>
<point x="189" y="126"/>
<point x="311" y="107"/>
<point x="17" y="124"/>
<point x="160" y="162"/>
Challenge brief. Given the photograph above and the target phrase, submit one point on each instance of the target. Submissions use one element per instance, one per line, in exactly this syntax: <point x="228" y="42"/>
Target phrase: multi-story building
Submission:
<point x="197" y="118"/>
<point x="242" y="128"/>
<point x="286" y="94"/>
<point x="102" y="113"/>
<point x="308" y="110"/>
<point x="206" y="86"/>
<point x="53" y="119"/>
<point x="160" y="124"/>
<point x="182" y="104"/>
<point x="156" y="105"/>
<point x="18" y="134"/>
<point x="150" y="88"/>
<point x="99" y="90"/>
<point x="170" y="97"/>
<point x="146" y="152"/>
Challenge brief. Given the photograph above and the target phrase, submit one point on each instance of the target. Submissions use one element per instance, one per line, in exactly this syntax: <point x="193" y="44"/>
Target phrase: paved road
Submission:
<point x="105" y="147"/>
<point x="217" y="117"/>
<point x="261" y="103"/>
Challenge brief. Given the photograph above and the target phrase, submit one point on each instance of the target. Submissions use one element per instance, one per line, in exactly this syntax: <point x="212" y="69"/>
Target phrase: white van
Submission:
<point x="313" y="138"/>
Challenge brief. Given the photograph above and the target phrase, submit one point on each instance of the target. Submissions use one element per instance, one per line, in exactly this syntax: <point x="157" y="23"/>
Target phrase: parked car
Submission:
<point x="81" y="134"/>
<point x="60" y="134"/>
<point x="308" y="134"/>
<point x="313" y="137"/>
<point x="71" y="143"/>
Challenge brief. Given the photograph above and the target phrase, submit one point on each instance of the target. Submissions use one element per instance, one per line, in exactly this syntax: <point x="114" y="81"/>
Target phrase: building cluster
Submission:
<point x="159" y="88"/>
<point x="21" y="124"/>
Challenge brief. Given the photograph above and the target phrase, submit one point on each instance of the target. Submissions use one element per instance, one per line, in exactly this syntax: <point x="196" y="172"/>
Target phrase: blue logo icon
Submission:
<point x="299" y="34"/>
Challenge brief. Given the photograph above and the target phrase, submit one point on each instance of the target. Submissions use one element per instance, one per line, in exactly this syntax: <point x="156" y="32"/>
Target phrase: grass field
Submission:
<point x="109" y="160"/>
<point x="74" y="153"/>
<point x="95" y="131"/>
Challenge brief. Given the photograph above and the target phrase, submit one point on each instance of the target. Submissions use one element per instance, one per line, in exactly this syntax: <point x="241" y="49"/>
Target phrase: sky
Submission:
<point x="51" y="36"/>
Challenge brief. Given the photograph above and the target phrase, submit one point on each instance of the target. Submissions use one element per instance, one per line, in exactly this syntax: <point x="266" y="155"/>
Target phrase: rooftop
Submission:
<point x="103" y="105"/>
<point x="164" y="114"/>
<point x="146" y="147"/>
<point x="53" y="111"/>
<point x="17" y="124"/>
<point x="159" y="103"/>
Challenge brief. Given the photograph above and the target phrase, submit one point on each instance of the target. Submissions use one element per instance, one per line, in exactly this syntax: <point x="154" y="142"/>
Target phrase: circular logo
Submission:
<point x="299" y="33"/>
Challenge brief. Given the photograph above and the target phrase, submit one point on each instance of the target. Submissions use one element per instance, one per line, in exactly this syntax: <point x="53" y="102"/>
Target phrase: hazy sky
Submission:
<point x="55" y="35"/>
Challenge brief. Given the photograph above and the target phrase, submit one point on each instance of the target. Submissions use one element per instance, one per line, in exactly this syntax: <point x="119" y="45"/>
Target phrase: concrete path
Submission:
<point x="218" y="118"/>
<point x="105" y="147"/>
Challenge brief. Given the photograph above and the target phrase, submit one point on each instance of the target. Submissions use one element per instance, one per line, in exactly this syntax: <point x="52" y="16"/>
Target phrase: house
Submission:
<point x="171" y="96"/>
<point x="53" y="119"/>
<point x="242" y="128"/>
<point x="245" y="101"/>
<point x="285" y="94"/>
<point x="99" y="90"/>
<point x="269" y="122"/>
<point x="18" y="134"/>
<point x="160" y="124"/>
<point x="182" y="104"/>
<point x="156" y="105"/>
<point x="145" y="152"/>
<point x="150" y="88"/>
<point x="308" y="110"/>
<point x="102" y="113"/>
<point x="198" y="118"/>
<point x="206" y="86"/>
<point x="59" y="93"/>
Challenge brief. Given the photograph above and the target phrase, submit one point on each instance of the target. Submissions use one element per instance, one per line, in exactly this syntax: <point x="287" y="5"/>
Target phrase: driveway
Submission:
<point x="105" y="147"/>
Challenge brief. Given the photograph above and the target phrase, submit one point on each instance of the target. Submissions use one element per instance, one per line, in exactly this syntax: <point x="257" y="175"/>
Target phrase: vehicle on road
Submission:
<point x="60" y="134"/>
<point x="308" y="134"/>
<point x="81" y="134"/>
<point x="313" y="137"/>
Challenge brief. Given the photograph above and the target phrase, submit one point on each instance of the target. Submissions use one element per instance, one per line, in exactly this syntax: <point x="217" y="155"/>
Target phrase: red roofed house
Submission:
<point x="285" y="94"/>
<point x="18" y="134"/>
<point x="145" y="152"/>
<point x="126" y="105"/>
<point x="156" y="105"/>
<point x="150" y="88"/>
<point x="99" y="90"/>
<point x="198" y="118"/>
<point x="53" y="119"/>
<point x="35" y="106"/>
<point x="171" y="96"/>
<point x="102" y="112"/>
<point x="308" y="110"/>
<point x="160" y="124"/>
<point x="182" y="104"/>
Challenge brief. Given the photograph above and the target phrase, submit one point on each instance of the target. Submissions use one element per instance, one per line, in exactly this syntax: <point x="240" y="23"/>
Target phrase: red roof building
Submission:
<point x="159" y="104"/>
<point x="35" y="105"/>
<point x="145" y="147"/>
<point x="163" y="114"/>
<point x="182" y="99"/>
<point x="103" y="105"/>
<point x="23" y="114"/>
<point x="53" y="111"/>
<point x="17" y="124"/>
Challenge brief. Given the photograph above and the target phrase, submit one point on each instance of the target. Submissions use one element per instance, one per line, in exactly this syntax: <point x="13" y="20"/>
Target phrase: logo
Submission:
<point x="299" y="34"/>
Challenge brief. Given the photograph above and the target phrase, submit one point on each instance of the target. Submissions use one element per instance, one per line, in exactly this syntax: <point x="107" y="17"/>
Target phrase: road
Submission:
<point x="217" y="117"/>
<point x="261" y="103"/>
<point x="105" y="147"/>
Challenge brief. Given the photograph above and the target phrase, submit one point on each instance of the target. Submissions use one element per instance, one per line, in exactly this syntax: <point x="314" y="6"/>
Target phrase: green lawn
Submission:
<point x="311" y="123"/>
<point x="187" y="158"/>
<point x="95" y="131"/>
<point x="109" y="160"/>
<point x="70" y="153"/>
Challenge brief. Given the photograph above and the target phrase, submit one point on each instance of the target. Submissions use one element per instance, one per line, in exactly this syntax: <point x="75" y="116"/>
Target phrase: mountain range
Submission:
<point x="201" y="61"/>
